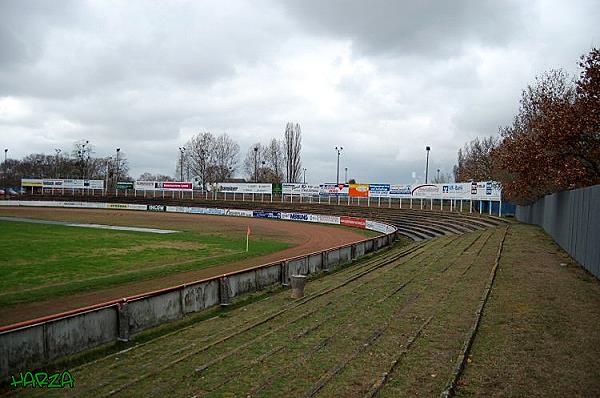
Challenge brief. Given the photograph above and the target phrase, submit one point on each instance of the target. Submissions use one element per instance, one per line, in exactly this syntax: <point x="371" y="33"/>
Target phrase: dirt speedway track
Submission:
<point x="303" y="237"/>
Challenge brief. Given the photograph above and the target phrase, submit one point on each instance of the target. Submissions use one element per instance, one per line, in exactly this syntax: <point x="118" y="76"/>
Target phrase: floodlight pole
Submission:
<point x="338" y="150"/>
<point x="181" y="150"/>
<point x="117" y="171"/>
<point x="427" y="148"/>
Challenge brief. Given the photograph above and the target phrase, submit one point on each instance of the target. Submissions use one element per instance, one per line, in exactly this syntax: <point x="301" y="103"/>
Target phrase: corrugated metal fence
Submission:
<point x="572" y="218"/>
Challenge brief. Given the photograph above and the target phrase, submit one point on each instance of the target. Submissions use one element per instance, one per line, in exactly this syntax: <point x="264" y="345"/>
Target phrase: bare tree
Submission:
<point x="292" y="146"/>
<point x="199" y="153"/>
<point x="225" y="158"/>
<point x="82" y="151"/>
<point x="154" y="177"/>
<point x="253" y="161"/>
<point x="274" y="161"/>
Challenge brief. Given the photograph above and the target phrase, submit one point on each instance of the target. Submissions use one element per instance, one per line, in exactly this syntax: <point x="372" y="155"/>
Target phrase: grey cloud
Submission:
<point x="411" y="27"/>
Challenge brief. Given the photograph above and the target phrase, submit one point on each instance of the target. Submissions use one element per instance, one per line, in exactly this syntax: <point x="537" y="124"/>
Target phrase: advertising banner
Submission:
<point x="157" y="208"/>
<point x="144" y="185"/>
<point x="295" y="216"/>
<point x="377" y="226"/>
<point x="488" y="190"/>
<point x="162" y="186"/>
<point x="31" y="182"/>
<point x="266" y="214"/>
<point x="277" y="188"/>
<point x="358" y="190"/>
<point x="353" y="222"/>
<point x="324" y="219"/>
<point x="238" y="213"/>
<point x="59" y="183"/>
<point x="427" y="191"/>
<point x="333" y="189"/>
<point x="379" y="190"/>
<point x="400" y="191"/>
<point x="125" y="185"/>
<point x="300" y="189"/>
<point x="242" y="188"/>
<point x="174" y="186"/>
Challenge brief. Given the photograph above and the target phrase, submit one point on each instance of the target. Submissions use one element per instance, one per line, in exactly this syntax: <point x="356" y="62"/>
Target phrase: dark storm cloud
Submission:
<point x="404" y="28"/>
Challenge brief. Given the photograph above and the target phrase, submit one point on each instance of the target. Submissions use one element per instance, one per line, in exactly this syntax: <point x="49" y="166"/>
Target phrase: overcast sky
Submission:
<point x="383" y="79"/>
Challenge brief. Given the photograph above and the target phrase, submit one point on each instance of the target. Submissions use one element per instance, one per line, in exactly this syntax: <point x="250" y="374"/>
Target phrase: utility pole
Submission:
<point x="338" y="150"/>
<point x="427" y="149"/>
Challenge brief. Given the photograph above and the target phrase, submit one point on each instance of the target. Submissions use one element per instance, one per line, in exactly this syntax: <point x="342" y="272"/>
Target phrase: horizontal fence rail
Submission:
<point x="38" y="342"/>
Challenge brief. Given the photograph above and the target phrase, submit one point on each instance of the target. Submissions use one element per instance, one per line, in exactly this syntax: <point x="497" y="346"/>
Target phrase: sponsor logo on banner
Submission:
<point x="299" y="216"/>
<point x="116" y="206"/>
<point x="157" y="208"/>
<point x="400" y="191"/>
<point x="426" y="191"/>
<point x="125" y="185"/>
<point x="376" y="226"/>
<point x="238" y="213"/>
<point x="473" y="188"/>
<point x="333" y="189"/>
<point x="73" y="204"/>
<point x="215" y="212"/>
<point x="379" y="190"/>
<point x="324" y="219"/>
<point x="353" y="222"/>
<point x="30" y="182"/>
<point x="266" y="214"/>
<point x="300" y="189"/>
<point x="144" y="185"/>
<point x="242" y="188"/>
<point x="175" y="185"/>
<point x="358" y="190"/>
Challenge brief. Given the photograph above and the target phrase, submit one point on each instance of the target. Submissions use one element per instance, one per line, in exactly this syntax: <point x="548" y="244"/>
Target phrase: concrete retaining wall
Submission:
<point x="33" y="344"/>
<point x="572" y="218"/>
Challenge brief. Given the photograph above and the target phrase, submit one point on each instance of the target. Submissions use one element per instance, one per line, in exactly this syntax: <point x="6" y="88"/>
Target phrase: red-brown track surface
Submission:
<point x="304" y="237"/>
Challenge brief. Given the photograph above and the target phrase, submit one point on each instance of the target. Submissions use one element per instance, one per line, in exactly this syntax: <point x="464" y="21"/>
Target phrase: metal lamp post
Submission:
<point x="345" y="175"/>
<point x="427" y="148"/>
<point x="304" y="170"/>
<point x="255" y="164"/>
<point x="117" y="171"/>
<point x="339" y="151"/>
<point x="5" y="168"/>
<point x="181" y="151"/>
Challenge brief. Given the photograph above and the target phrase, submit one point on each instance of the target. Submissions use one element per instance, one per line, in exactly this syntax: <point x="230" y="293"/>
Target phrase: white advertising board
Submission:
<point x="241" y="188"/>
<point x="299" y="189"/>
<point x="324" y="219"/>
<point x="60" y="183"/>
<point x="162" y="186"/>
<point x="333" y="189"/>
<point x="238" y="213"/>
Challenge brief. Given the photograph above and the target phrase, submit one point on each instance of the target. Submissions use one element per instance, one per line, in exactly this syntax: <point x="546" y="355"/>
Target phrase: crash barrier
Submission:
<point x="35" y="343"/>
<point x="572" y="218"/>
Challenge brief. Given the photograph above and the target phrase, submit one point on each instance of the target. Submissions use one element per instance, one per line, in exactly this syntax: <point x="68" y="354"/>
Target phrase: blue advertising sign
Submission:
<point x="266" y="214"/>
<point x="379" y="190"/>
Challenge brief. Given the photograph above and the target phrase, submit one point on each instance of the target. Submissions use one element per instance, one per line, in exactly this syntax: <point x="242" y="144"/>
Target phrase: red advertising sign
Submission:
<point x="353" y="222"/>
<point x="176" y="185"/>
